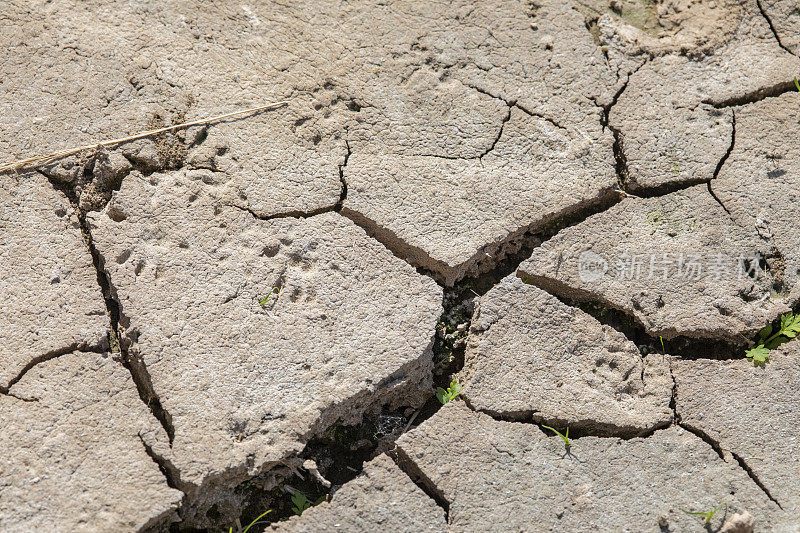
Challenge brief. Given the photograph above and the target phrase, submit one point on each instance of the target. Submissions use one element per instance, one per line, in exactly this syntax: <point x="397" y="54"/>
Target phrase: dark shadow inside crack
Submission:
<point x="678" y="345"/>
<point x="577" y="429"/>
<point x="342" y="450"/>
<point x="339" y="455"/>
<point x="772" y="91"/>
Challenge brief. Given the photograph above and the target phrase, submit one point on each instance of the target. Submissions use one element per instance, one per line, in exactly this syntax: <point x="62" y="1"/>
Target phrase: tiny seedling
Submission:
<point x="451" y="393"/>
<point x="300" y="502"/>
<point x="797" y="84"/>
<point x="662" y="344"/>
<point x="768" y="339"/>
<point x="273" y="292"/>
<point x="708" y="516"/>
<point x="564" y="436"/>
<point x="251" y="524"/>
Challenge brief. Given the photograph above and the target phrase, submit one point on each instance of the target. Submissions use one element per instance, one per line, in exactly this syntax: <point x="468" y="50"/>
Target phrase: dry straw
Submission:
<point x="39" y="160"/>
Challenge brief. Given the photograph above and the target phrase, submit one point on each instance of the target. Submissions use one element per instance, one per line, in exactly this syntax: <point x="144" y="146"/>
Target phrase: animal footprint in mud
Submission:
<point x="302" y="294"/>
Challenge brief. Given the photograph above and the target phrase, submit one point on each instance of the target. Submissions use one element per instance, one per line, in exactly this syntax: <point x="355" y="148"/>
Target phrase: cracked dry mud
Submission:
<point x="197" y="324"/>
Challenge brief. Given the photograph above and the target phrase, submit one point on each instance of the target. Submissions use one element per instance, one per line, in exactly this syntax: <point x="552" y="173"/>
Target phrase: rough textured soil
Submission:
<point x="584" y="211"/>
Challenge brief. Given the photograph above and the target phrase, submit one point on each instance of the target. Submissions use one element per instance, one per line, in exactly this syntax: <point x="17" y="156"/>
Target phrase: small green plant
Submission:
<point x="769" y="340"/>
<point x="273" y="292"/>
<point x="251" y="524"/>
<point x="300" y="502"/>
<point x="708" y="516"/>
<point x="451" y="393"/>
<point x="797" y="84"/>
<point x="564" y="436"/>
<point x="662" y="344"/>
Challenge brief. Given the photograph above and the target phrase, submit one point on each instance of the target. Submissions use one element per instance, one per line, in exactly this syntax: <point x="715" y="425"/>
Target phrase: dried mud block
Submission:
<point x="751" y="411"/>
<point x="678" y="264"/>
<point x="510" y="476"/>
<point x="255" y="334"/>
<point x="382" y="497"/>
<point x="459" y="218"/>
<point x="50" y="301"/>
<point x="759" y="185"/>
<point x="74" y="457"/>
<point x="531" y="357"/>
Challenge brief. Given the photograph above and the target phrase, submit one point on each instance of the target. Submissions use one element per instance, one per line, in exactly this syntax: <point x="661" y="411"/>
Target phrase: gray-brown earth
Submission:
<point x="191" y="320"/>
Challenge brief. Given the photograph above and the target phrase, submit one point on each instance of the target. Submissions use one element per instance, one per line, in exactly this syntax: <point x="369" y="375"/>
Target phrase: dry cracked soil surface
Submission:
<point x="582" y="211"/>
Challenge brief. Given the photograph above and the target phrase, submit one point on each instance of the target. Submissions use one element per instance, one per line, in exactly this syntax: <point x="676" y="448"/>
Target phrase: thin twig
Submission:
<point x="39" y="160"/>
<point x="411" y="420"/>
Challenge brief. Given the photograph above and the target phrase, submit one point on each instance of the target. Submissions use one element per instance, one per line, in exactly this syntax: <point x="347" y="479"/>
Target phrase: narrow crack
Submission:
<point x="671" y="187"/>
<point x="512" y="104"/>
<point x="755" y="478"/>
<point x="499" y="135"/>
<point x="543" y="117"/>
<point x="416" y="475"/>
<point x="729" y="150"/>
<point x="620" y="160"/>
<point x="715" y="445"/>
<point x="486" y="152"/>
<point x="772" y="27"/>
<point x="144" y="386"/>
<point x="168" y="470"/>
<point x="20" y="398"/>
<point x="577" y="429"/>
<point x="413" y="255"/>
<point x="716" y="198"/>
<point x="138" y="372"/>
<point x="758" y="95"/>
<point x="606" y="109"/>
<point x="702" y="346"/>
<point x="673" y="399"/>
<point x="721" y="163"/>
<point x="83" y="347"/>
<point x="296" y="213"/>
<point x="489" y="94"/>
<point x="285" y="214"/>
<point x="343" y="193"/>
<point x="705" y="437"/>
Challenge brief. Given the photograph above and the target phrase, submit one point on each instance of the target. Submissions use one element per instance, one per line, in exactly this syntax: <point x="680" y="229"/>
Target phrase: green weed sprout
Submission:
<point x="300" y="502"/>
<point x="662" y="344"/>
<point x="707" y="515"/>
<point x="767" y="340"/>
<point x="797" y="84"/>
<point x="254" y="522"/>
<point x="564" y="436"/>
<point x="451" y="393"/>
<point x="274" y="291"/>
